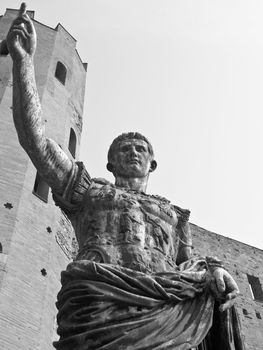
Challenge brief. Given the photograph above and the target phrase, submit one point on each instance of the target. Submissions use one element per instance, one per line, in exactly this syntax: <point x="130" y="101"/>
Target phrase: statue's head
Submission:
<point x="131" y="154"/>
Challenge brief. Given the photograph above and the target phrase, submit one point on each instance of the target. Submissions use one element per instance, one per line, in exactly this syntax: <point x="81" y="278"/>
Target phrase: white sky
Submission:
<point x="189" y="76"/>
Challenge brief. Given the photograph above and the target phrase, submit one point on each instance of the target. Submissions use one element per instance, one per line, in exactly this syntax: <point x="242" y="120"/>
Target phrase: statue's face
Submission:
<point x="132" y="159"/>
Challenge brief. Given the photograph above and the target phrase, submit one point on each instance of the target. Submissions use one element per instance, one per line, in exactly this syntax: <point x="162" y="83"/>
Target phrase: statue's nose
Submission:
<point x="133" y="151"/>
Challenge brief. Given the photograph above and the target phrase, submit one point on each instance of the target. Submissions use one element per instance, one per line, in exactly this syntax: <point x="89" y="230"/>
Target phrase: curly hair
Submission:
<point x="124" y="137"/>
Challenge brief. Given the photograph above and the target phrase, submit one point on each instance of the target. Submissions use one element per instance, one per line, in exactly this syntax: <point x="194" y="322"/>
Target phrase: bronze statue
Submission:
<point x="134" y="284"/>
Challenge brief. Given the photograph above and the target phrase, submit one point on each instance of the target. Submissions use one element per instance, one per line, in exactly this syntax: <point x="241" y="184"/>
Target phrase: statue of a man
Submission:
<point x="134" y="284"/>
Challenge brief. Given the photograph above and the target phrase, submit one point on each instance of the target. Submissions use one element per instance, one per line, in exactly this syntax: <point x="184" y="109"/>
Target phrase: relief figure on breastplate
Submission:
<point x="135" y="284"/>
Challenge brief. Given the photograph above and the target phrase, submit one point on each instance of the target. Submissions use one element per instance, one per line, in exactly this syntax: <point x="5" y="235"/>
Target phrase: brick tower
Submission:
<point x="36" y="240"/>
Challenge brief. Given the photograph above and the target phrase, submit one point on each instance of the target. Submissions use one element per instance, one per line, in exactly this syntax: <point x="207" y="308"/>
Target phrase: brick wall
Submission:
<point x="240" y="260"/>
<point x="36" y="240"/>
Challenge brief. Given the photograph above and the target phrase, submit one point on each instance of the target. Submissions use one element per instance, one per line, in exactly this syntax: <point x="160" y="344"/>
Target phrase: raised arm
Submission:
<point x="49" y="159"/>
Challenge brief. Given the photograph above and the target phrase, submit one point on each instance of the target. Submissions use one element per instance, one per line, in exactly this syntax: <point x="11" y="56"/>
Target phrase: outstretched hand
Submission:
<point x="21" y="38"/>
<point x="224" y="287"/>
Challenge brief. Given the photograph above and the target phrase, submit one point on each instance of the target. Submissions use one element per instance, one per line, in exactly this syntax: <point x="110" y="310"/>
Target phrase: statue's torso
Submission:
<point x="127" y="228"/>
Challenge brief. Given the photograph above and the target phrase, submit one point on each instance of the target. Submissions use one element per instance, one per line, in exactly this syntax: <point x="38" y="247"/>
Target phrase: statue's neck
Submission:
<point x="137" y="184"/>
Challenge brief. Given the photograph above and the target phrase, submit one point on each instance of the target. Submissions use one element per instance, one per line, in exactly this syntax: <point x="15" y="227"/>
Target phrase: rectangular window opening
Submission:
<point x="258" y="315"/>
<point x="41" y="188"/>
<point x="255" y="288"/>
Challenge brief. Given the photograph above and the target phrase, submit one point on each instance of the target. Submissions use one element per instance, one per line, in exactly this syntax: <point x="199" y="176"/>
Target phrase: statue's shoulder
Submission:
<point x="160" y="198"/>
<point x="83" y="173"/>
<point x="182" y="214"/>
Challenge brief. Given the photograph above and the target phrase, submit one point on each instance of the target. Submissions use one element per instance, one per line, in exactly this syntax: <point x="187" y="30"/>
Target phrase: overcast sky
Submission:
<point x="189" y="76"/>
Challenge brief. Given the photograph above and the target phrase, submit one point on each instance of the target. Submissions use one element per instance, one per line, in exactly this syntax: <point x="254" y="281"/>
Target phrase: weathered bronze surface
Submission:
<point x="134" y="283"/>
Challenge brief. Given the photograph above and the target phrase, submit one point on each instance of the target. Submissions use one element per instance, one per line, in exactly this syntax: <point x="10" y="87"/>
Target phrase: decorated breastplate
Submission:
<point x="127" y="228"/>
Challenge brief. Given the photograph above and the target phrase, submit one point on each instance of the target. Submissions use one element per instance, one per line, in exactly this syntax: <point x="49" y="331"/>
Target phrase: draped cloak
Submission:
<point x="104" y="306"/>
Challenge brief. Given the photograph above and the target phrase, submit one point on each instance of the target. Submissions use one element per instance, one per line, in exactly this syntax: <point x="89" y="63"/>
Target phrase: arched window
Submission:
<point x="61" y="72"/>
<point x="41" y="188"/>
<point x="72" y="142"/>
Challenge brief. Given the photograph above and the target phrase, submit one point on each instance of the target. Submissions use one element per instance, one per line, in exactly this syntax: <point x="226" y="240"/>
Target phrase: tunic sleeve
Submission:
<point x="79" y="182"/>
<point x="182" y="214"/>
<point x="184" y="235"/>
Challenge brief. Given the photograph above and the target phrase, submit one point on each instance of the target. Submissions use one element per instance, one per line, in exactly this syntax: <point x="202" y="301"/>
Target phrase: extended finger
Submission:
<point x="22" y="10"/>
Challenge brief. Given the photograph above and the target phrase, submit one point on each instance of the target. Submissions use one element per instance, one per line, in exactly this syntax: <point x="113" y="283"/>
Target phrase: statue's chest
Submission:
<point x="128" y="225"/>
<point x="119" y="216"/>
<point x="144" y="207"/>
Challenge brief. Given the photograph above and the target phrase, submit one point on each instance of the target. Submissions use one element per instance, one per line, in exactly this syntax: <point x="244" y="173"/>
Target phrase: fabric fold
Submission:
<point x="106" y="307"/>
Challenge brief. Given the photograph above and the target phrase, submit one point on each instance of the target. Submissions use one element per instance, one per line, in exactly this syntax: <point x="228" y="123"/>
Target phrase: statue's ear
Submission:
<point x="153" y="165"/>
<point x="110" y="167"/>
